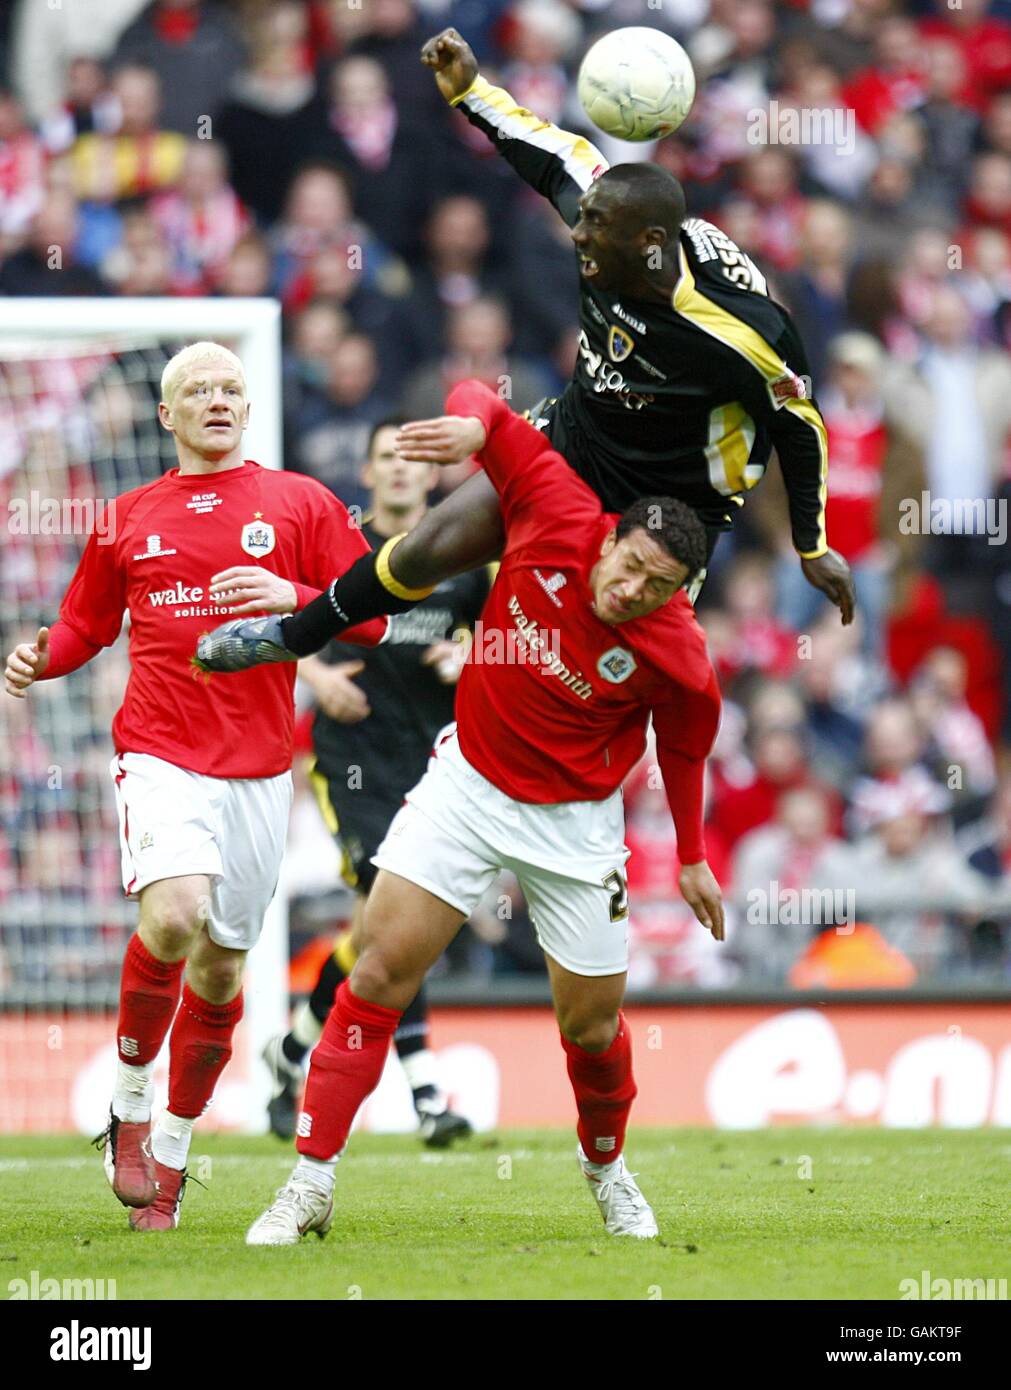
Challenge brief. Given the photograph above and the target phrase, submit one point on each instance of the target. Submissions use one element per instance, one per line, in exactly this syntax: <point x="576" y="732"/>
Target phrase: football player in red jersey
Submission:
<point x="202" y="766"/>
<point x="586" y="635"/>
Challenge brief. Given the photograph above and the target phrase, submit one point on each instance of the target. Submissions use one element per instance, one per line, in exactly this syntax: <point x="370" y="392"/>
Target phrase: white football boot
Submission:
<point x="624" y="1209"/>
<point x="298" y="1208"/>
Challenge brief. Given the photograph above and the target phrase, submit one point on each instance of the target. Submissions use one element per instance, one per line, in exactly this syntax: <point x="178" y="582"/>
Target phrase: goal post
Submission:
<point x="63" y="927"/>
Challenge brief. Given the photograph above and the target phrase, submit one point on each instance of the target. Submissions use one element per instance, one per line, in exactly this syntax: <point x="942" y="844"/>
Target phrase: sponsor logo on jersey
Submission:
<point x="146" y="840"/>
<point x="788" y="387"/>
<point x="179" y="593"/>
<point x="619" y="343"/>
<point x="604" y="377"/>
<point x="551" y="585"/>
<point x="304" y="1127"/>
<point x="154" y="547"/>
<point x="616" y="665"/>
<point x="637" y="324"/>
<point x="257" y="537"/>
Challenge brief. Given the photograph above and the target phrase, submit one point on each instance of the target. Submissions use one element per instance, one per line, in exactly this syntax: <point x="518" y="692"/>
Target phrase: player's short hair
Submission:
<point x="196" y="355"/>
<point x="388" y="422"/>
<point x="650" y="194"/>
<point x="672" y="524"/>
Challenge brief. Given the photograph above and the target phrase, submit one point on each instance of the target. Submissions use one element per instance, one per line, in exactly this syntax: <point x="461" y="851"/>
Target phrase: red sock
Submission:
<point x="346" y="1066"/>
<point x="148" y="996"/>
<point x="200" y="1045"/>
<point x="605" y="1089"/>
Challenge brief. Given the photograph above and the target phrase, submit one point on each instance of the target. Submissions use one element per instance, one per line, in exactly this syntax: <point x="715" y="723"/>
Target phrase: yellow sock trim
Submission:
<point x="386" y="578"/>
<point x="344" y="953"/>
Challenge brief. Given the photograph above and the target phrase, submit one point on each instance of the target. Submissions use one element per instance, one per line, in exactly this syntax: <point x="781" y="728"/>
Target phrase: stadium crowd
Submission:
<point x="858" y="150"/>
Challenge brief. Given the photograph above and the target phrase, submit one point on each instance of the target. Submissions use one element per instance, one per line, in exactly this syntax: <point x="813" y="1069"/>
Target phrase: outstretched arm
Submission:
<point x="557" y="163"/>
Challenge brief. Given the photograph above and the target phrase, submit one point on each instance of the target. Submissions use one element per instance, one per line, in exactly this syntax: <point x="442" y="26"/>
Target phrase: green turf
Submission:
<point x="798" y="1214"/>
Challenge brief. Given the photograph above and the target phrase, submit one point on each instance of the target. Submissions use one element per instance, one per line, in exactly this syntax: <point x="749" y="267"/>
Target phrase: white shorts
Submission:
<point x="173" y="823"/>
<point x="457" y="831"/>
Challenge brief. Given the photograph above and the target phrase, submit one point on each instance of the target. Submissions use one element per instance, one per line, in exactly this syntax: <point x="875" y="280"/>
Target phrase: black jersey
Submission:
<point x="408" y="702"/>
<point x="686" y="399"/>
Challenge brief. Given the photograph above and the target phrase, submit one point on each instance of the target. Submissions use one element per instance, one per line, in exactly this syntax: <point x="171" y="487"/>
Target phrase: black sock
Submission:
<point x="353" y="598"/>
<point x="293" y="1049"/>
<point x="331" y="977"/>
<point x="412" y="1030"/>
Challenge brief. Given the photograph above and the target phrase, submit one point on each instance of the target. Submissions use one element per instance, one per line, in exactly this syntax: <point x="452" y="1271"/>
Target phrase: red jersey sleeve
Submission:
<point x="685" y="725"/>
<point x="536" y="485"/>
<point x="67" y="651"/>
<point x="334" y="542"/>
<point x="95" y="601"/>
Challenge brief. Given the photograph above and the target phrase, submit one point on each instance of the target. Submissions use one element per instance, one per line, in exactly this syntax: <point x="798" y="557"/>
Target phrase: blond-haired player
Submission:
<point x="202" y="765"/>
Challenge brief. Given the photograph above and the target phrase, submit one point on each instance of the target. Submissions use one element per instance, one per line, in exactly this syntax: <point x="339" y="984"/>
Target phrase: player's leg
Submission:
<point x="171" y="914"/>
<point x="462" y="533"/>
<point x="582" y="928"/>
<point x="432" y="874"/>
<point x="200" y="1046"/>
<point x="406" y="930"/>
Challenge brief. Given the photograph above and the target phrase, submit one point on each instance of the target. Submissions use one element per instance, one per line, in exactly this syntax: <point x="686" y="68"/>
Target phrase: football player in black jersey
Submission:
<point x="688" y="375"/>
<point x="380" y="710"/>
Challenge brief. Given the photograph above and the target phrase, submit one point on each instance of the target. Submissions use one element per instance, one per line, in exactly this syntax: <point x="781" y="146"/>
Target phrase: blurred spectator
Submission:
<point x="816" y="292"/>
<point x="89" y="105"/>
<point x="755" y="639"/>
<point x="140" y="157"/>
<point x="779" y="757"/>
<point x="22" y="171"/>
<point x="142" y="263"/>
<point x="985" y="42"/>
<point x="988" y="203"/>
<point x="195" y="47"/>
<point x="957" y="749"/>
<point x="478" y="338"/>
<point x="956" y="401"/>
<point x="793" y="852"/>
<point x="457" y="270"/>
<point x="47" y="264"/>
<point x="334" y="428"/>
<point x="768" y="181"/>
<point x="395" y="168"/>
<point x="247" y="268"/>
<point x="838" y="155"/>
<point x="318" y="216"/>
<point x="48" y="38"/>
<point x="538" y="36"/>
<point x="894" y="82"/>
<point x="912" y="882"/>
<point x="895" y="749"/>
<point x="269" y="121"/>
<point x="546" y="305"/>
<point x="949" y="125"/>
<point x="873" y="466"/>
<point x="202" y="218"/>
<point x="392" y="32"/>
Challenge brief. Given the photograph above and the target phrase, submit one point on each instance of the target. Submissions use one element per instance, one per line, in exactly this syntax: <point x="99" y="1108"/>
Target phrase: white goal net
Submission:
<point x="79" y="389"/>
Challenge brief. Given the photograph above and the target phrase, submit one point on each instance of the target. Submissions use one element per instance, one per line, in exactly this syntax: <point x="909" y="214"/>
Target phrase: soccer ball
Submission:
<point x="637" y="84"/>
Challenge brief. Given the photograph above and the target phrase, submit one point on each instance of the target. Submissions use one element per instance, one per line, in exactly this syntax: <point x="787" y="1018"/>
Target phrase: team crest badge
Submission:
<point x="616" y="665"/>
<point x="619" y="344"/>
<point x="257" y="538"/>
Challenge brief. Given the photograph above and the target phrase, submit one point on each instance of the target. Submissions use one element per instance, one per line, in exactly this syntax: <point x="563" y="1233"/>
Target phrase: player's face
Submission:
<point x="607" y="240"/>
<point x="634" y="577"/>
<point x="209" y="410"/>
<point x="394" y="482"/>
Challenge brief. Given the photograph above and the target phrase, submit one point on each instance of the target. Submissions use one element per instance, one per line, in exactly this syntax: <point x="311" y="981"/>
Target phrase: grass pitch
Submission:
<point x="781" y="1214"/>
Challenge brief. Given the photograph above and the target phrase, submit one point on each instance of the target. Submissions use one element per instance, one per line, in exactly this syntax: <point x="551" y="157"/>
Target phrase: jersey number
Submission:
<point x="615" y="882"/>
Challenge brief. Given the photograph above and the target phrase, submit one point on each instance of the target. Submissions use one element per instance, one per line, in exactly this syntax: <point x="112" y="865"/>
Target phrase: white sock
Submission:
<point x="306" y="1028"/>
<point x="170" y="1139"/>
<point x="419" y="1068"/>
<point x="131" y="1096"/>
<point x="317" y="1171"/>
<point x="600" y="1170"/>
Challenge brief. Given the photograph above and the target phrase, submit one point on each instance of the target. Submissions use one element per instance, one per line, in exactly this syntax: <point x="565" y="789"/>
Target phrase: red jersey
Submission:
<point x="553" y="704"/>
<point x="165" y="541"/>
<point x="857" y="446"/>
